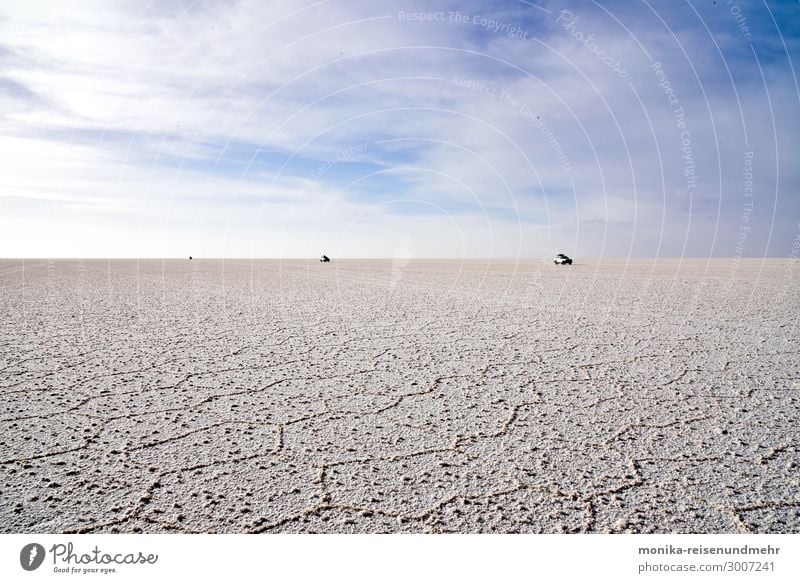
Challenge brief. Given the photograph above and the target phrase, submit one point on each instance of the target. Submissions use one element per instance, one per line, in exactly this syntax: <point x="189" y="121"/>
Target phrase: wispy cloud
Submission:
<point x="463" y="129"/>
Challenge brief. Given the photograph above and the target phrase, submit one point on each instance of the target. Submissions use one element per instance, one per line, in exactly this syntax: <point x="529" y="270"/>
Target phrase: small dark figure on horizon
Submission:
<point x="562" y="259"/>
<point x="190" y="257"/>
<point x="325" y="259"/>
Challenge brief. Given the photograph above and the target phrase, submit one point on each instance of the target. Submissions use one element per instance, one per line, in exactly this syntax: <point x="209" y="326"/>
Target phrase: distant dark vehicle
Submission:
<point x="325" y="259"/>
<point x="562" y="259"/>
<point x="190" y="257"/>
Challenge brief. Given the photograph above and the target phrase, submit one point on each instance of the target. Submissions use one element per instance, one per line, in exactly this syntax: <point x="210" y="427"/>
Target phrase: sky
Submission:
<point x="472" y="129"/>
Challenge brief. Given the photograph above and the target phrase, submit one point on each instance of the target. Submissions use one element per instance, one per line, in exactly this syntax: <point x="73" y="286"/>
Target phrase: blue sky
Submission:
<point x="442" y="129"/>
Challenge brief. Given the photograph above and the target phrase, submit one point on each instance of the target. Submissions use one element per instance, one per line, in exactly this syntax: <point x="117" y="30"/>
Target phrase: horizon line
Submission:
<point x="444" y="258"/>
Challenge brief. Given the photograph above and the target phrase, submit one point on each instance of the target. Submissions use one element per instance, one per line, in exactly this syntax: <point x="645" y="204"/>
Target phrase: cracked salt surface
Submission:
<point x="289" y="396"/>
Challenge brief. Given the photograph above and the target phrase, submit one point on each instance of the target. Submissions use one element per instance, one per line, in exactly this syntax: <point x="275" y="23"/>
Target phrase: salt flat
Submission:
<point x="397" y="396"/>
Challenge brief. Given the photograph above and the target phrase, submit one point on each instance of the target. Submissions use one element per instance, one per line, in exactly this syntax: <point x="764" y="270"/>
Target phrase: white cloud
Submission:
<point x="145" y="118"/>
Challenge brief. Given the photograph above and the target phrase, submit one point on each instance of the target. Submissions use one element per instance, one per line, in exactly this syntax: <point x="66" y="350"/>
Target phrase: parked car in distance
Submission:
<point x="562" y="259"/>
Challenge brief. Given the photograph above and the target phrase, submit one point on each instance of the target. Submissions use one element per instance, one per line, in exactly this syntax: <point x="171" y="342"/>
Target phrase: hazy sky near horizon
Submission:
<point x="399" y="129"/>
